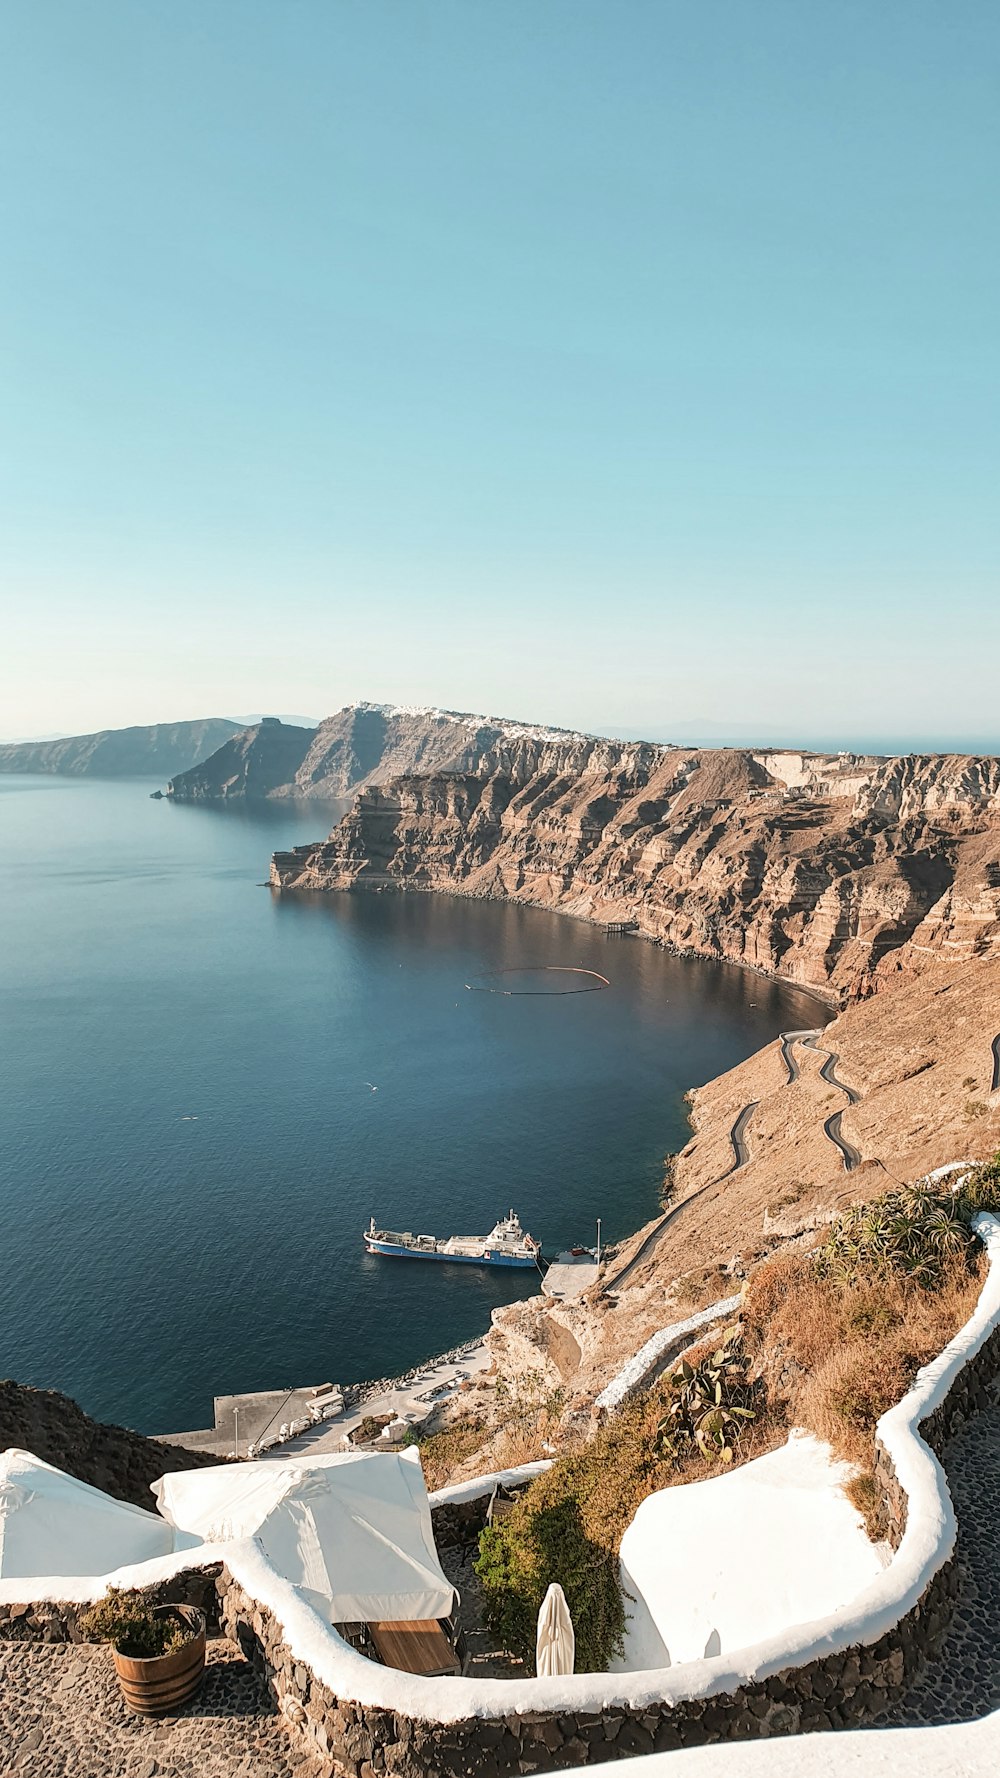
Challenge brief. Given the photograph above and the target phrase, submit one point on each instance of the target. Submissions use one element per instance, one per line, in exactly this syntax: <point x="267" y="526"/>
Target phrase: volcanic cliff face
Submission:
<point x="831" y="871"/>
<point x="255" y="763"/>
<point x="151" y="752"/>
<point x="362" y="744"/>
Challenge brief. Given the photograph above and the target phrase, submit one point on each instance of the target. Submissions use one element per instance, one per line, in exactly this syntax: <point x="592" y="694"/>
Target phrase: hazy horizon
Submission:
<point x="606" y="361"/>
<point x="704" y="734"/>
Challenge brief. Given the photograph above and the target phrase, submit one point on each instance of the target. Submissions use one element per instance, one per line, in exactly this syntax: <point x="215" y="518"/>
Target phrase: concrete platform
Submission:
<point x="242" y="1418"/>
<point x="434" y="1385"/>
<point x="253" y="1414"/>
<point x="570" y="1275"/>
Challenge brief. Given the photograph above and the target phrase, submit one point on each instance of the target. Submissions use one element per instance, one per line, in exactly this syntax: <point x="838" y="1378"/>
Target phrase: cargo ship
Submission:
<point x="505" y="1245"/>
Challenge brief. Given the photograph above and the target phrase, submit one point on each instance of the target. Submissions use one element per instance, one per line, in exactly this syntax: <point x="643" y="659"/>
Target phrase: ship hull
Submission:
<point x="457" y="1259"/>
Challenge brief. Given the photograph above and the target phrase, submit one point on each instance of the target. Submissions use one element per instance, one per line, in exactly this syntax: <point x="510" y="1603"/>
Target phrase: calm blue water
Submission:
<point x="189" y="1148"/>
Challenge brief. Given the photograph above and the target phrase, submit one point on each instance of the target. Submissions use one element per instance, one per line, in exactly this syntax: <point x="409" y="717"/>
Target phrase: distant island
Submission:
<point x="158" y="749"/>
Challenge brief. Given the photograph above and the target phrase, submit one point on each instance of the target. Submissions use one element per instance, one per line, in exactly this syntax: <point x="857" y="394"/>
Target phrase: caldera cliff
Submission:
<point x="154" y="750"/>
<point x="361" y="744"/>
<point x="831" y="871"/>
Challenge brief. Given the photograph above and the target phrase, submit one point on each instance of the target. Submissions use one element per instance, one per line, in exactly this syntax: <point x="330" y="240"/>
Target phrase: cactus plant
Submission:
<point x="709" y="1405"/>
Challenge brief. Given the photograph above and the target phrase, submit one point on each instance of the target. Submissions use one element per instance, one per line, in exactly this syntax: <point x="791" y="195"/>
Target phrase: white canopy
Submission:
<point x="52" y="1524"/>
<point x="352" y="1532"/>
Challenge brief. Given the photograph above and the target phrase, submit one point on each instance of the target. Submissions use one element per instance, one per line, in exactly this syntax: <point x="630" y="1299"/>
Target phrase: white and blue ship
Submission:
<point x="505" y="1245"/>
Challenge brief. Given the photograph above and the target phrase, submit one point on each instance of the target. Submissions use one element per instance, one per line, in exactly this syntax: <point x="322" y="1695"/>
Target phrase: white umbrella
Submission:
<point x="352" y="1531"/>
<point x="555" y="1643"/>
<point x="53" y="1524"/>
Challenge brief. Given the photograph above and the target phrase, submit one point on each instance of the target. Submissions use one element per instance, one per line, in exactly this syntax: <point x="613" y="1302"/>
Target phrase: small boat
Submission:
<point x="505" y="1245"/>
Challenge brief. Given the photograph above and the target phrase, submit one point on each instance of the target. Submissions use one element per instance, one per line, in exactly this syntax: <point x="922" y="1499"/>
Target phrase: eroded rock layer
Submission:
<point x="359" y="745"/>
<point x="832" y="871"/>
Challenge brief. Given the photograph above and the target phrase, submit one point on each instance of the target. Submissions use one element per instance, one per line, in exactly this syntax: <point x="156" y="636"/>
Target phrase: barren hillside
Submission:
<point x="921" y="1059"/>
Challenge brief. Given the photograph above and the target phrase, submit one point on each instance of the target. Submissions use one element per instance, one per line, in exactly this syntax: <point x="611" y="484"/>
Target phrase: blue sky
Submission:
<point x="631" y="365"/>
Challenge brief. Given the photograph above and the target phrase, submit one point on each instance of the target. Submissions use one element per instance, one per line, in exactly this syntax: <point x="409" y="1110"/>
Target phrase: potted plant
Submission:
<point x="159" y="1650"/>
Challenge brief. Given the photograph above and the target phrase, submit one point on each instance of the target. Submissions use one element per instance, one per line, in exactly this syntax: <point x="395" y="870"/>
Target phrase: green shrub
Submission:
<point x="568" y="1525"/>
<point x="519" y="1559"/>
<point x="915" y="1230"/>
<point x="127" y="1620"/>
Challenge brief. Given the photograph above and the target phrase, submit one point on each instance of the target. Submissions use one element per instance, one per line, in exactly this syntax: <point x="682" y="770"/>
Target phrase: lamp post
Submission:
<point x="598" y="1240"/>
<point x="236" y="1431"/>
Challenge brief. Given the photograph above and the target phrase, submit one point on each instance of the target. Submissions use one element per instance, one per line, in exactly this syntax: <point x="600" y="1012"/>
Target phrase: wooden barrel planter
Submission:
<point x="160" y="1684"/>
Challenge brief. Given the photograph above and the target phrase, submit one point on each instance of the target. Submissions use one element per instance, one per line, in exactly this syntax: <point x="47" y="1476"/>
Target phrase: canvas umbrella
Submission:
<point x="352" y="1531"/>
<point x="53" y="1524"/>
<point x="555" y="1643"/>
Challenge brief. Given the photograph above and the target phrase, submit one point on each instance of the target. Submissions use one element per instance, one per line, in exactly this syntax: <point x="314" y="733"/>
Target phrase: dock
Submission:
<point x="570" y="1274"/>
<point x="244" y="1419"/>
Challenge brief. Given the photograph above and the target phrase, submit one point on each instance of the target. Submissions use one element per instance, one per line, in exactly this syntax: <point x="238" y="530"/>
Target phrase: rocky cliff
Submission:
<point x="832" y="871"/>
<point x="257" y="762"/>
<point x="155" y="751"/>
<point x="360" y="745"/>
<point x="53" y="1428"/>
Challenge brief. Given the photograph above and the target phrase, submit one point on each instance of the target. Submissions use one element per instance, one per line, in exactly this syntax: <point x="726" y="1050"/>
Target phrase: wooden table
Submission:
<point x="415" y="1645"/>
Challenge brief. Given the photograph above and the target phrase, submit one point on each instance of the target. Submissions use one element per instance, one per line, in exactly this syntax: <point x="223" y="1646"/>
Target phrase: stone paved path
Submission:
<point x="964" y="1681"/>
<point x="62" y="1716"/>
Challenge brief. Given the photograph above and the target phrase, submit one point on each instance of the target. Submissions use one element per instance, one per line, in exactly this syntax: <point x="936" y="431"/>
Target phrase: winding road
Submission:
<point x="826" y="1073"/>
<point x="788" y="1041"/>
<point x="850" y="1155"/>
<point x="737" y="1136"/>
<point x="741" y="1155"/>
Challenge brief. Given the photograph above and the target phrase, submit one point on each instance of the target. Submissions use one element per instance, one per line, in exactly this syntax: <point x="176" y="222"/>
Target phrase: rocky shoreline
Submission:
<point x="357" y="1394"/>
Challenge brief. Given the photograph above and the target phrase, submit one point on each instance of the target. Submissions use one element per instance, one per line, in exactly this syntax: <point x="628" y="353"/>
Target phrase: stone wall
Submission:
<point x="845" y="1688"/>
<point x="57" y="1620"/>
<point x="969" y="1395"/>
<point x="840" y="1691"/>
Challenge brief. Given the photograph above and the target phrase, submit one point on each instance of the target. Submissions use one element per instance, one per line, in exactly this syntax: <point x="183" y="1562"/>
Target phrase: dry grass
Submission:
<point x="846" y="1396"/>
<point x="442" y="1452"/>
<point x="839" y="1355"/>
<point x="514" y="1445"/>
<point x="704" y="1285"/>
<point x="868" y="1499"/>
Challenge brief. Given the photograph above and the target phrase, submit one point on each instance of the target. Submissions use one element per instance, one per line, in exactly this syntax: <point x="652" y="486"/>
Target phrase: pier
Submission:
<point x="246" y="1419"/>
<point x="570" y="1274"/>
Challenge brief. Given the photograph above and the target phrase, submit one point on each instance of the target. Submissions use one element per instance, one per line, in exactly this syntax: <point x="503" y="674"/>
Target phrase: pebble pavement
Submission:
<point x="963" y="1681"/>
<point x="62" y="1716"/>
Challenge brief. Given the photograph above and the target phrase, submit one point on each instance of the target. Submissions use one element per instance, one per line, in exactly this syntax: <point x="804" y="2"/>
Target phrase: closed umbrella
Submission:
<point x="555" y="1643"/>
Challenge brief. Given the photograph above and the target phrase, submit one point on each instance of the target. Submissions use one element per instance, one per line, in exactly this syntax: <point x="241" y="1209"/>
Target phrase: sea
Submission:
<point x="206" y="1090"/>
